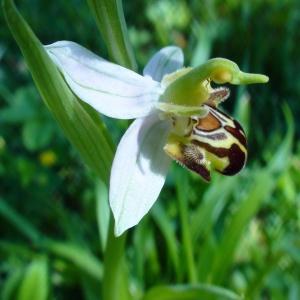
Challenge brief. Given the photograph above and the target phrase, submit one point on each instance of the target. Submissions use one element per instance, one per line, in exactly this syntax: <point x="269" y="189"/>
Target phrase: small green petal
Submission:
<point x="249" y="78"/>
<point x="192" y="89"/>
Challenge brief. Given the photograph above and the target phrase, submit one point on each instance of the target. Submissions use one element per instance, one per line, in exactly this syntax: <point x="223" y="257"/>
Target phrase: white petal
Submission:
<point x="138" y="172"/>
<point x="111" y="89"/>
<point x="165" y="61"/>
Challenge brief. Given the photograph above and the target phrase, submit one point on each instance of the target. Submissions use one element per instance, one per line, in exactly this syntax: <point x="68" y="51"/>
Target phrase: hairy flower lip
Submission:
<point x="140" y="165"/>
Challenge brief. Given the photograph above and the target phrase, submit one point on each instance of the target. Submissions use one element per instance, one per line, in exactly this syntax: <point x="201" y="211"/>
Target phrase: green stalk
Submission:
<point x="110" y="20"/>
<point x="181" y="184"/>
<point x="114" y="282"/>
<point x="111" y="23"/>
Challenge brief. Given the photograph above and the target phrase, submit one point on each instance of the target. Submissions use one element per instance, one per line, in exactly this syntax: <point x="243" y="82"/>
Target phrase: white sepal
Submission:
<point x="165" y="61"/>
<point x="109" y="88"/>
<point x="138" y="172"/>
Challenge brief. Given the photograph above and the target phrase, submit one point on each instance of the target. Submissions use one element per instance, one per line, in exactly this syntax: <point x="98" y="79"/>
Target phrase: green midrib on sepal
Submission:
<point x="82" y="127"/>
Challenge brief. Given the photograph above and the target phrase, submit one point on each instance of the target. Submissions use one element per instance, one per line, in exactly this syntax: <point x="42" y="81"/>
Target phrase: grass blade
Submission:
<point x="190" y="292"/>
<point x="35" y="283"/>
<point x="80" y="258"/>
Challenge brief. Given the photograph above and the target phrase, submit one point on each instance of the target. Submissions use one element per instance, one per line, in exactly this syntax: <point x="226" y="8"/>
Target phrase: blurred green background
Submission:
<point x="245" y="230"/>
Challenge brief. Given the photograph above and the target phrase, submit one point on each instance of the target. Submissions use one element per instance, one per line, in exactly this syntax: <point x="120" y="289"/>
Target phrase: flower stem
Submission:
<point x="110" y="20"/>
<point x="114" y="281"/>
<point x="185" y="228"/>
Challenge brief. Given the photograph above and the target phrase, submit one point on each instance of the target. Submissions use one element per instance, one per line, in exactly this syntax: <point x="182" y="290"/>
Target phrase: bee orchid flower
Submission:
<point x="176" y="117"/>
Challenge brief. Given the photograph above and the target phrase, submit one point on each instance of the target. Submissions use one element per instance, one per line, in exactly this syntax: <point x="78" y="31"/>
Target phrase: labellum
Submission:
<point x="211" y="142"/>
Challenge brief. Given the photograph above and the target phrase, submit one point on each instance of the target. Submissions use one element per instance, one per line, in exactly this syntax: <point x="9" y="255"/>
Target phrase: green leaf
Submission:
<point x="10" y="286"/>
<point x="164" y="224"/>
<point x="23" y="225"/>
<point x="35" y="283"/>
<point x="190" y="292"/>
<point x="206" y="214"/>
<point x="205" y="36"/>
<point x="83" y="260"/>
<point x="260" y="189"/>
<point x="110" y="19"/>
<point x="80" y="126"/>
<point x="91" y="289"/>
<point x="21" y="105"/>
<point x="37" y="134"/>
<point x="279" y="161"/>
<point x="242" y="108"/>
<point x="79" y="257"/>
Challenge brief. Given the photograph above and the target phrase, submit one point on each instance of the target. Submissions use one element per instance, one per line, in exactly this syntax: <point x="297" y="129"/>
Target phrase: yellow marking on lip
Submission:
<point x="218" y="163"/>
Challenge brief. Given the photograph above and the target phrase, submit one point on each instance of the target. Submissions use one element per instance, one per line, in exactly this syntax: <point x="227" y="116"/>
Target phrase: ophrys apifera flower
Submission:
<point x="176" y="117"/>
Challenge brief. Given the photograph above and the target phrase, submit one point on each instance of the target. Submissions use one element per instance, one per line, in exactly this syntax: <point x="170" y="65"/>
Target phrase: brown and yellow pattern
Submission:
<point x="215" y="141"/>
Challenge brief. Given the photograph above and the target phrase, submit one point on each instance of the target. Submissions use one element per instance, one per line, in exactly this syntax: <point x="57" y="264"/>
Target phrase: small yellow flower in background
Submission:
<point x="2" y="143"/>
<point x="48" y="158"/>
